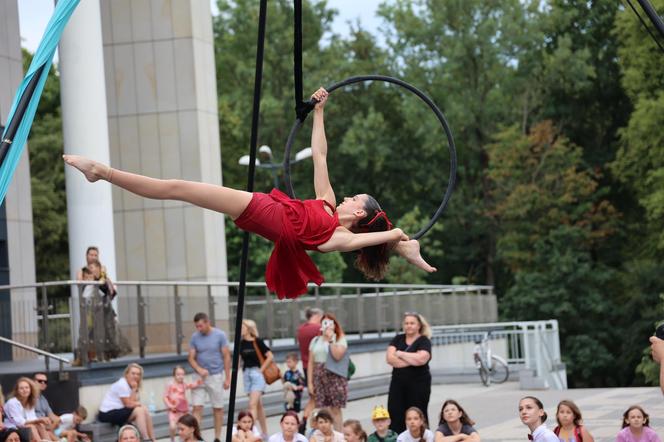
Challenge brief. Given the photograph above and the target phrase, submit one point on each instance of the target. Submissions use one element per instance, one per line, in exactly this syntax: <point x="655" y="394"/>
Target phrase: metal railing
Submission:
<point x="155" y="316"/>
<point x="533" y="345"/>
<point x="47" y="356"/>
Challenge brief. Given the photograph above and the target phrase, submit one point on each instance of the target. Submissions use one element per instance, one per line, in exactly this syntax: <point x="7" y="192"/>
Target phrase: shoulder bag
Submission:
<point x="344" y="367"/>
<point x="271" y="372"/>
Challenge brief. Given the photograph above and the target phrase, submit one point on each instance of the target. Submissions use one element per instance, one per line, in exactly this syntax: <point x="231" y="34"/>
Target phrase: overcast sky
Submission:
<point x="34" y="15"/>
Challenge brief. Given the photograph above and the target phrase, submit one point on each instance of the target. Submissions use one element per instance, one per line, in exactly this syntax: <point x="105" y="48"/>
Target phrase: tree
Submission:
<point x="49" y="203"/>
<point x="639" y="167"/>
<point x="462" y="53"/>
<point x="550" y="214"/>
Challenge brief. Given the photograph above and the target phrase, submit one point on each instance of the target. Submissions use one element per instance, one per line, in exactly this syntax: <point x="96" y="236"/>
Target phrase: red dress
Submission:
<point x="294" y="226"/>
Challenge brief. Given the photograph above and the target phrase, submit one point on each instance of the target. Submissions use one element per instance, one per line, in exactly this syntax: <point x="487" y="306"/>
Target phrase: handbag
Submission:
<point x="342" y="367"/>
<point x="271" y="374"/>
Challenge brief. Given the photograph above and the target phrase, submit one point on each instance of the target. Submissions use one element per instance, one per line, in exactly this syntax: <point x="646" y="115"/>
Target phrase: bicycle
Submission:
<point x="492" y="367"/>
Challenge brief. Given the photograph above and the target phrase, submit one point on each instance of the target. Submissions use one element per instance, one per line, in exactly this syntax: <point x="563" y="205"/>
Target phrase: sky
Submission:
<point x="34" y="15"/>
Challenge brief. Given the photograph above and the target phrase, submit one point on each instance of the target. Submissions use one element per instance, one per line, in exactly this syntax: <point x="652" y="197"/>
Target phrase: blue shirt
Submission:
<point x="208" y="349"/>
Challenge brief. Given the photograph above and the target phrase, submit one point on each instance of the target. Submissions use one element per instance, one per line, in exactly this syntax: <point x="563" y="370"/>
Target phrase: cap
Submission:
<point x="380" y="412"/>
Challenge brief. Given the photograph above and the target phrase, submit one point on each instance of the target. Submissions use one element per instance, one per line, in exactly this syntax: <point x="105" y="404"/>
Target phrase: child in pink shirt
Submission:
<point x="175" y="398"/>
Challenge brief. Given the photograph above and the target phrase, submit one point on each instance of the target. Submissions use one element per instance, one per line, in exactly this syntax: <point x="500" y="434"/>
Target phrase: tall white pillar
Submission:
<point x="85" y="130"/>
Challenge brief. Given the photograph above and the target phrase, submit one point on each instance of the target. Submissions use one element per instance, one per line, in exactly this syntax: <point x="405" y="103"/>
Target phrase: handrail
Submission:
<point x="451" y="288"/>
<point x="34" y="350"/>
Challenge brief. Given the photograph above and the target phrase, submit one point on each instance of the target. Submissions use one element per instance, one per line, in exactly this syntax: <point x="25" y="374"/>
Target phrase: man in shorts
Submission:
<point x="209" y="356"/>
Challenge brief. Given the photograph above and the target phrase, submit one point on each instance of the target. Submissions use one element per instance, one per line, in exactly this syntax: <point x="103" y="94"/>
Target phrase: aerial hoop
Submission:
<point x="441" y="118"/>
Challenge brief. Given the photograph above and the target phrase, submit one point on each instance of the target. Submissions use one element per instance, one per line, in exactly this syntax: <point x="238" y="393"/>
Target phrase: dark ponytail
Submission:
<point x="190" y="421"/>
<point x="372" y="261"/>
<point x="539" y="404"/>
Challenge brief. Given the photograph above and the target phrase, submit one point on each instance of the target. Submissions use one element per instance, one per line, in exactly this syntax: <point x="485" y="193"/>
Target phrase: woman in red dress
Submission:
<point x="356" y="224"/>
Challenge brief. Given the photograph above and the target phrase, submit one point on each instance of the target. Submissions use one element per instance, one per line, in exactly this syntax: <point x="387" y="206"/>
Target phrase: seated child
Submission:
<point x="69" y="425"/>
<point x="325" y="432"/>
<point x="246" y="430"/>
<point x="380" y="418"/>
<point x="293" y="384"/>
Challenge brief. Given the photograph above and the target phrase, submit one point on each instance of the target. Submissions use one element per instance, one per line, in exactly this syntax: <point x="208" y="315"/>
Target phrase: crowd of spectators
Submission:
<point x="27" y="416"/>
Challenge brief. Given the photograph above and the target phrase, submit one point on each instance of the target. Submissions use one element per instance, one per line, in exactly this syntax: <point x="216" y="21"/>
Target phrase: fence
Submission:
<point x="529" y="345"/>
<point x="155" y="316"/>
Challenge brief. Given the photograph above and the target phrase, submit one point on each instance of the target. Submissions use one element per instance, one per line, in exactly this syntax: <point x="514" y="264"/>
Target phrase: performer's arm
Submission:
<point x="322" y="184"/>
<point x="344" y="240"/>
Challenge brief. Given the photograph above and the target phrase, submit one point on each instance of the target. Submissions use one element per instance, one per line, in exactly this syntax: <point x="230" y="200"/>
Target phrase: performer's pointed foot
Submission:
<point x="92" y="170"/>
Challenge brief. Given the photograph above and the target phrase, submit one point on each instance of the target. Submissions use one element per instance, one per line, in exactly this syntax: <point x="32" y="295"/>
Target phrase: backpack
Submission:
<point x="577" y="433"/>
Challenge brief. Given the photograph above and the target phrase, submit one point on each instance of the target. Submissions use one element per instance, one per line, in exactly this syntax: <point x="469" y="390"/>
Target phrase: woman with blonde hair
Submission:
<point x="409" y="354"/>
<point x="256" y="356"/>
<point x="121" y="404"/>
<point x="20" y="410"/>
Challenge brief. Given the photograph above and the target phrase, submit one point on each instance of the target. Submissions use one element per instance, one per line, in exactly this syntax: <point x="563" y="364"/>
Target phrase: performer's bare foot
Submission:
<point x="92" y="170"/>
<point x="411" y="251"/>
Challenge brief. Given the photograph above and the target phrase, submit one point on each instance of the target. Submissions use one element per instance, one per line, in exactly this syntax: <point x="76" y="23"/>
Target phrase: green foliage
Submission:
<point x="549" y="218"/>
<point x="49" y="204"/>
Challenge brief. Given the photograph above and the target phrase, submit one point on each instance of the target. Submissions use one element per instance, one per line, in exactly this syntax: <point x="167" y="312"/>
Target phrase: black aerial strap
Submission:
<point x="654" y="18"/>
<point x="302" y="108"/>
<point x="258" y="80"/>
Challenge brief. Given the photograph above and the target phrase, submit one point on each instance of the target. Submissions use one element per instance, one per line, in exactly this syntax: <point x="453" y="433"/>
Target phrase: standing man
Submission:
<point x="305" y="333"/>
<point x="209" y="356"/>
<point x="42" y="407"/>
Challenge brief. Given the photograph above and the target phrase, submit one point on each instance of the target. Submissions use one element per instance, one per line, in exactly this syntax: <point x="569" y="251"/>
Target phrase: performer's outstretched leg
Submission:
<point x="222" y="199"/>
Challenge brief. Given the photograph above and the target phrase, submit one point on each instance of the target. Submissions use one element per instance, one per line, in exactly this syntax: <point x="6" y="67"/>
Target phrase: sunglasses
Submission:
<point x="41" y="381"/>
<point x="411" y="314"/>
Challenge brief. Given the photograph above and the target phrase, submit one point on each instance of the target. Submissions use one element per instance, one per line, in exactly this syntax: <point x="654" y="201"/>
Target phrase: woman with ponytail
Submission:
<point x="532" y="414"/>
<point x="357" y="224"/>
<point x="188" y="429"/>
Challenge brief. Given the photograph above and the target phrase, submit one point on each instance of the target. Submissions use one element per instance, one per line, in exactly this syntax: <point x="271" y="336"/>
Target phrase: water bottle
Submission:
<point x="152" y="407"/>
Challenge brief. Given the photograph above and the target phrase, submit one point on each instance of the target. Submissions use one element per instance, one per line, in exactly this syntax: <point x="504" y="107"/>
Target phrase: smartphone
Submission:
<point x="660" y="331"/>
<point x="327" y="323"/>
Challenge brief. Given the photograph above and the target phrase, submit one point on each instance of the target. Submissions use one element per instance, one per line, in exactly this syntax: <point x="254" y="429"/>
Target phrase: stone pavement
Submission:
<point x="495" y="409"/>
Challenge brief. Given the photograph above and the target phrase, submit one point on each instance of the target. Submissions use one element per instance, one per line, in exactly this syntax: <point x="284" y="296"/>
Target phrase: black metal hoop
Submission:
<point x="441" y="118"/>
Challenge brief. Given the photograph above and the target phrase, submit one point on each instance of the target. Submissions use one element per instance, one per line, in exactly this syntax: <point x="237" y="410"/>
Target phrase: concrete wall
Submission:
<point x="20" y="240"/>
<point x="163" y="122"/>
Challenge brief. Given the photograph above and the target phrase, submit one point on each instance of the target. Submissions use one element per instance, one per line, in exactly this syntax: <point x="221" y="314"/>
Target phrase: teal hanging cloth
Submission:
<point x="27" y="97"/>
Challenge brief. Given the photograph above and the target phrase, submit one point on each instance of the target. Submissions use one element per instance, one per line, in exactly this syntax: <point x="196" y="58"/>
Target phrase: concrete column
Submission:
<point x="163" y="122"/>
<point x="85" y="131"/>
<point x="20" y="239"/>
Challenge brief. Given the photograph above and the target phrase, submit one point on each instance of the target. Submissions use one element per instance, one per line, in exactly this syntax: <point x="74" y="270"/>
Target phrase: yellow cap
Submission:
<point x="380" y="412"/>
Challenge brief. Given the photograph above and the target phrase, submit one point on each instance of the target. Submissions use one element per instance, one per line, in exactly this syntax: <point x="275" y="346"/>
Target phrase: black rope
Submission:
<point x="653" y="16"/>
<point x="258" y="80"/>
<point x="302" y="108"/>
<point x="645" y="25"/>
<point x="439" y="115"/>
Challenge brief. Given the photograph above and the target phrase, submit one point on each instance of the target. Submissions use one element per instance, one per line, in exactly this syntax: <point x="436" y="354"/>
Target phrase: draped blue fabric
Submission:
<point x="43" y="57"/>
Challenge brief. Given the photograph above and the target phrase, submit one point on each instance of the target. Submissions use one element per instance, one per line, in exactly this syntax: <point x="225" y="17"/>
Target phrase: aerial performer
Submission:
<point x="294" y="226"/>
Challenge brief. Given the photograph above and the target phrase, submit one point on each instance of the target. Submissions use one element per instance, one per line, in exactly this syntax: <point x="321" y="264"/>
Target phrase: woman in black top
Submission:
<point x="252" y="369"/>
<point x="455" y="425"/>
<point x="409" y="353"/>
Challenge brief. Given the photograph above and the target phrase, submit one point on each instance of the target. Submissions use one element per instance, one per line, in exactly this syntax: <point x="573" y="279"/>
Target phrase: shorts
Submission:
<point x="253" y="380"/>
<point x="117" y="417"/>
<point x="213" y="385"/>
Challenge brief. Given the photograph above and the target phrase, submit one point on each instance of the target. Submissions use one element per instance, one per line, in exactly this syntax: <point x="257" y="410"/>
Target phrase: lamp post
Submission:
<point x="265" y="152"/>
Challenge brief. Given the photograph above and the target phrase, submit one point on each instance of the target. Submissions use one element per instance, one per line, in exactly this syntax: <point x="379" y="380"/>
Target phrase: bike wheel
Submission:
<point x="500" y="371"/>
<point x="484" y="375"/>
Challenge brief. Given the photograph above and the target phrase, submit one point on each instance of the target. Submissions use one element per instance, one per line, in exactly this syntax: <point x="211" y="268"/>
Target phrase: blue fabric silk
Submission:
<point x="43" y="57"/>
